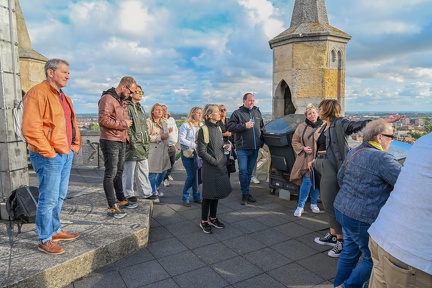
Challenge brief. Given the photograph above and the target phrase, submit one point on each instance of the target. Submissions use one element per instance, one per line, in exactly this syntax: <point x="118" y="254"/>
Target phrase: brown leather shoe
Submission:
<point x="65" y="236"/>
<point x="51" y="247"/>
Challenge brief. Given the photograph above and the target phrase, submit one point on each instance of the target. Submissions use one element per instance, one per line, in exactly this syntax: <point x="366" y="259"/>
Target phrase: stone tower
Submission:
<point x="31" y="62"/>
<point x="21" y="68"/>
<point x="308" y="60"/>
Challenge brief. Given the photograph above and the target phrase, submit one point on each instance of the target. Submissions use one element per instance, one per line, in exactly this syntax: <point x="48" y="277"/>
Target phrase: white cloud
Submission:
<point x="186" y="53"/>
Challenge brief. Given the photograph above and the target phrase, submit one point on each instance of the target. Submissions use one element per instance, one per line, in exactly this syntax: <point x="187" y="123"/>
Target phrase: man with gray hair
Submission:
<point x="51" y="131"/>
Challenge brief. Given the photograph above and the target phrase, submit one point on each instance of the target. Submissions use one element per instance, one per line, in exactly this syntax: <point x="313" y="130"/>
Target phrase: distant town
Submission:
<point x="408" y="129"/>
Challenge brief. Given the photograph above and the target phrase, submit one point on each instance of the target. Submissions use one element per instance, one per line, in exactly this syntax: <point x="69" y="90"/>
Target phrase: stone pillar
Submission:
<point x="13" y="153"/>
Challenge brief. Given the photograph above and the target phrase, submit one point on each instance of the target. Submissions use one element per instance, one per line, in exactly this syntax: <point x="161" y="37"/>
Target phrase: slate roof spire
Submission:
<point x="309" y="22"/>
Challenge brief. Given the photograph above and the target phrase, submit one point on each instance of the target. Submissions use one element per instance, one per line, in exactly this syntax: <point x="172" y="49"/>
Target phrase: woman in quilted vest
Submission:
<point x="216" y="184"/>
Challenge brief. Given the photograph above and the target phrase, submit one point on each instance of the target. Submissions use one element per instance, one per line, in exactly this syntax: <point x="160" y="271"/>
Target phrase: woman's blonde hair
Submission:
<point x="331" y="109"/>
<point x="152" y="109"/>
<point x="192" y="112"/>
<point x="308" y="108"/>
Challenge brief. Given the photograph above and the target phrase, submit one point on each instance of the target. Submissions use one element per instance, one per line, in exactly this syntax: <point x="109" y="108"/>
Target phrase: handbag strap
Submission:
<point x="346" y="163"/>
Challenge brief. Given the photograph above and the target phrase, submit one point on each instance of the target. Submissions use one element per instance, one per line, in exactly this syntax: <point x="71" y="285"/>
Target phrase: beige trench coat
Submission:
<point x="300" y="166"/>
<point x="158" y="159"/>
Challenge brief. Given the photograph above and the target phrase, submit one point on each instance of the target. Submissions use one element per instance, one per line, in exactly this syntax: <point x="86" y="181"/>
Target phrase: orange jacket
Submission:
<point x="44" y="123"/>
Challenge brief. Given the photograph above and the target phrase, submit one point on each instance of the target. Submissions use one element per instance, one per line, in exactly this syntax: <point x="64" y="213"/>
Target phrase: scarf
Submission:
<point x="376" y="145"/>
<point x="314" y="125"/>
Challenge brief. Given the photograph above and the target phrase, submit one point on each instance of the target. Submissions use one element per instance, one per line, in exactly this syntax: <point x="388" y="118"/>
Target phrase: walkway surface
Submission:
<point x="262" y="245"/>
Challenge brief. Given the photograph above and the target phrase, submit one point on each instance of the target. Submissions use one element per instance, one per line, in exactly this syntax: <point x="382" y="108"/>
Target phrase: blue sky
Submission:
<point x="192" y="52"/>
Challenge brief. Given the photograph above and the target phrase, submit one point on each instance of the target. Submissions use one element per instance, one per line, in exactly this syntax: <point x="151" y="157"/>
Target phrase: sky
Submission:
<point x="193" y="52"/>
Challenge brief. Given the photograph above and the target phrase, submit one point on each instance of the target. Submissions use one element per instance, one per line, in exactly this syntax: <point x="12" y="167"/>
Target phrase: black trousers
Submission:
<point x="208" y="205"/>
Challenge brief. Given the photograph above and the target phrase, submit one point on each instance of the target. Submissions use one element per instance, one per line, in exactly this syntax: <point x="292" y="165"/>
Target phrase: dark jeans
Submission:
<point x="246" y="160"/>
<point x="114" y="158"/>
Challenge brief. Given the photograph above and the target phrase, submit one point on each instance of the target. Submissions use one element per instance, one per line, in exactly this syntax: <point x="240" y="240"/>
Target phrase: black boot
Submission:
<point x="251" y="199"/>
<point x="244" y="199"/>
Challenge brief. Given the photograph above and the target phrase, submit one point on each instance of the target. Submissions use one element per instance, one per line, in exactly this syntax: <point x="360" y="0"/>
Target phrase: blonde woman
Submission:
<point x="158" y="159"/>
<point x="216" y="184"/>
<point x="187" y="137"/>
<point x="304" y="143"/>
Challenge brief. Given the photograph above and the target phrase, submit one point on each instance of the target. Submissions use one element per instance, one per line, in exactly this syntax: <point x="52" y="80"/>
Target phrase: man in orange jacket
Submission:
<point x="52" y="135"/>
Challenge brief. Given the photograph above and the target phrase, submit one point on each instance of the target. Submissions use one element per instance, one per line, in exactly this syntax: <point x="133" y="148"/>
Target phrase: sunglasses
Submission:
<point x="130" y="91"/>
<point x="388" y="135"/>
<point x="222" y="110"/>
<point x="139" y="92"/>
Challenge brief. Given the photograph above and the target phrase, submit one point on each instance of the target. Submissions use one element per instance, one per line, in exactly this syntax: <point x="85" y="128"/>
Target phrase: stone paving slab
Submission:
<point x="262" y="245"/>
<point x="103" y="241"/>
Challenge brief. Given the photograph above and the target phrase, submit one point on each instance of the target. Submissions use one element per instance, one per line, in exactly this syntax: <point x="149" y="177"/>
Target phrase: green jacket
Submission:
<point x="139" y="140"/>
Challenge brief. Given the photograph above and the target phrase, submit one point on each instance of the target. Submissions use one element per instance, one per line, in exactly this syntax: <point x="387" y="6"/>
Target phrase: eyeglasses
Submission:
<point x="130" y="91"/>
<point x="139" y="92"/>
<point x="389" y="136"/>
<point x="222" y="110"/>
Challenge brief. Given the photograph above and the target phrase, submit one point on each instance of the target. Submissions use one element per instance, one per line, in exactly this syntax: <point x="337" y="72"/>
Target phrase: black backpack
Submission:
<point x="22" y="205"/>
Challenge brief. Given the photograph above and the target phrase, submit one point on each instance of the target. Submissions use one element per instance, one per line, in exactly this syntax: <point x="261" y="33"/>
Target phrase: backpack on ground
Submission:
<point x="22" y="205"/>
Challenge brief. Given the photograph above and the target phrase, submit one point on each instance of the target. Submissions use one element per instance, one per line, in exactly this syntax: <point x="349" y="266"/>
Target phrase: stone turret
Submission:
<point x="308" y="60"/>
<point x="21" y="68"/>
<point x="31" y="62"/>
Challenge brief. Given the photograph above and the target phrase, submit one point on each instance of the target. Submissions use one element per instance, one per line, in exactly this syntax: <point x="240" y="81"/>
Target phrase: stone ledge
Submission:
<point x="103" y="241"/>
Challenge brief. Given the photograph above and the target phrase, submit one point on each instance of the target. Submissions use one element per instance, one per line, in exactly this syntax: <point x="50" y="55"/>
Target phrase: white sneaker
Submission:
<point x="315" y="208"/>
<point x="160" y="193"/>
<point x="166" y="183"/>
<point x="298" y="212"/>
<point x="170" y="178"/>
<point x="255" y="180"/>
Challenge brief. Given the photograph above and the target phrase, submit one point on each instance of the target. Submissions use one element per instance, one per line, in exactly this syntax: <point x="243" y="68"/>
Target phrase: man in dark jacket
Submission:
<point x="114" y="123"/>
<point x="246" y="123"/>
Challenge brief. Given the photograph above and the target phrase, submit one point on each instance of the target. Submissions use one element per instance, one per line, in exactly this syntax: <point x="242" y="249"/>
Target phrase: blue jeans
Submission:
<point x="305" y="188"/>
<point x="156" y="180"/>
<point x="53" y="177"/>
<point x="246" y="161"/>
<point x="114" y="158"/>
<point x="356" y="239"/>
<point x="191" y="180"/>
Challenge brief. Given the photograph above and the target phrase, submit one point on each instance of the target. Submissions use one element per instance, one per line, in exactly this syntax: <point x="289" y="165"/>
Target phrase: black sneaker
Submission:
<point x="244" y="200"/>
<point x="153" y="198"/>
<point x="125" y="204"/>
<point x="116" y="212"/>
<point x="216" y="223"/>
<point x="205" y="226"/>
<point x="251" y="199"/>
<point x="132" y="199"/>
<point x="328" y="239"/>
<point x="336" y="251"/>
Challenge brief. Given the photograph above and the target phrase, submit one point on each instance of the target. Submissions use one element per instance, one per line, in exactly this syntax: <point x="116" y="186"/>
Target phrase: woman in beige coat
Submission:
<point x="158" y="159"/>
<point x="304" y="143"/>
